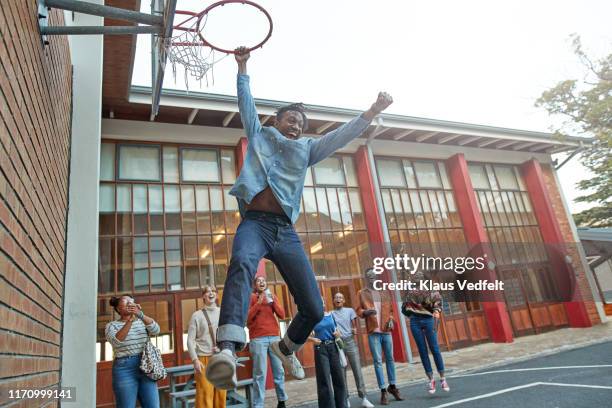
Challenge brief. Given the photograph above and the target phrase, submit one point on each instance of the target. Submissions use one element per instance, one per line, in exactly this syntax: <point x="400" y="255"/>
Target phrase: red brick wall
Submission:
<point x="566" y="231"/>
<point x="35" y="117"/>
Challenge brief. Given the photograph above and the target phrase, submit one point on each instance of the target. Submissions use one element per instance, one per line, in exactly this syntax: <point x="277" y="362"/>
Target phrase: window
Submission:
<point x="330" y="172"/>
<point x="390" y="173"/>
<point x="200" y="165"/>
<point x="166" y="235"/>
<point x="478" y="176"/>
<point x="139" y="163"/>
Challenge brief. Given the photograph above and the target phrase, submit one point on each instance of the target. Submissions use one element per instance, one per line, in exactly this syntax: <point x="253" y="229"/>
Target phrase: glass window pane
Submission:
<point x="155" y="199"/>
<point x="173" y="251"/>
<point x="349" y="170"/>
<point x="216" y="203"/>
<point x="200" y="165"/>
<point x="139" y="163"/>
<point x="390" y="173"/>
<point x="124" y="265"/>
<point x="358" y="220"/>
<point x="329" y="172"/>
<point x="334" y="209"/>
<point x="409" y="173"/>
<point x="345" y="209"/>
<point x="171" y="199"/>
<point x="107" y="198"/>
<point x="171" y="164"/>
<point x="388" y="208"/>
<point x="124" y="198"/>
<point x="203" y="209"/>
<point x="106" y="264"/>
<point x="107" y="162"/>
<point x="156" y="212"/>
<point x="426" y="174"/>
<point x="207" y="270"/>
<point x="323" y="208"/>
<point x="187" y="199"/>
<point x="221" y="259"/>
<point x="478" y="176"/>
<point x="308" y="180"/>
<point x="228" y="167"/>
<point x="506" y="178"/>
<point x="140" y="198"/>
<point x="519" y="178"/>
<point x="444" y="176"/>
<point x="175" y="278"/>
<point x="491" y="177"/>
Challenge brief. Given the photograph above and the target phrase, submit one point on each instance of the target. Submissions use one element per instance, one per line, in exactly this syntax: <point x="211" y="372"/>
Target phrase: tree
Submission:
<point x="587" y="107"/>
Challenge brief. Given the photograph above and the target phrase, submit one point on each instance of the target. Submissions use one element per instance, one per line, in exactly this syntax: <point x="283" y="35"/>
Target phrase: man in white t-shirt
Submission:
<point x="346" y="322"/>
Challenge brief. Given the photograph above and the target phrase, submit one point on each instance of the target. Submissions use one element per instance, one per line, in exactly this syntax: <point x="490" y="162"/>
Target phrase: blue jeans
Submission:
<point x="379" y="343"/>
<point x="271" y="236"/>
<point x="422" y="328"/>
<point x="130" y="383"/>
<point x="260" y="350"/>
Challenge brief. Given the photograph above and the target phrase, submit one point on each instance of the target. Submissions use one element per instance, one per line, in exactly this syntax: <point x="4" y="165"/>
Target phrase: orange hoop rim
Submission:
<point x="199" y="16"/>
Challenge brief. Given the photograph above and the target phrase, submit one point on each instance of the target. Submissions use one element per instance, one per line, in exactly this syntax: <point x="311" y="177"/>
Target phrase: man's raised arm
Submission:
<point x="327" y="144"/>
<point x="246" y="105"/>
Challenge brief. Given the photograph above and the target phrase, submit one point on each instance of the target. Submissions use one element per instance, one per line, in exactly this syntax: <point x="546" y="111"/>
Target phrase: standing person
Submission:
<point x="346" y="320"/>
<point x="264" y="330"/>
<point x="423" y="307"/>
<point x="128" y="336"/>
<point x="327" y="364"/>
<point x="376" y="308"/>
<point x="201" y="345"/>
<point x="269" y="189"/>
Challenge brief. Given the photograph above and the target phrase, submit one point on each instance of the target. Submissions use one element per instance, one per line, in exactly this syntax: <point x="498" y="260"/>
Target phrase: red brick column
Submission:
<point x="476" y="236"/>
<point x="376" y="237"/>
<point x="575" y="308"/>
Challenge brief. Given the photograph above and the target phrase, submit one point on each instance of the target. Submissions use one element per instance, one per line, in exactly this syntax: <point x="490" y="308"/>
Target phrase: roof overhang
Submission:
<point x="387" y="127"/>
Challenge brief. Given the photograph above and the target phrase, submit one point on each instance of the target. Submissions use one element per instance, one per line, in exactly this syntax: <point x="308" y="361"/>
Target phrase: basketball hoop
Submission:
<point x="191" y="49"/>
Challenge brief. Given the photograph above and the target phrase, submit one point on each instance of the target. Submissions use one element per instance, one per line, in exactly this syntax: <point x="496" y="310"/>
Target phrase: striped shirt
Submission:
<point x="135" y="340"/>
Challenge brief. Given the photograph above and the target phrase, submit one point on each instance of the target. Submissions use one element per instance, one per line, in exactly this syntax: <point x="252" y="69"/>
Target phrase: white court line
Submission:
<point x="604" y="387"/>
<point x="506" y="390"/>
<point x="491" y="394"/>
<point x="514" y="370"/>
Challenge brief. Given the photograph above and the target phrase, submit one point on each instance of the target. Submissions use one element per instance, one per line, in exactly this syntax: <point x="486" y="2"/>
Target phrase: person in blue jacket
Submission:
<point x="269" y="189"/>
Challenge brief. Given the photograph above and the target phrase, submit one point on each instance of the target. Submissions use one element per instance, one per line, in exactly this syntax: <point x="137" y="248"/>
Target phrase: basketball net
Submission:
<point x="187" y="49"/>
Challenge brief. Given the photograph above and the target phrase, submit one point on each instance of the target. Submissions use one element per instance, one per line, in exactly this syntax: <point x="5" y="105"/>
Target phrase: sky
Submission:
<point x="480" y="62"/>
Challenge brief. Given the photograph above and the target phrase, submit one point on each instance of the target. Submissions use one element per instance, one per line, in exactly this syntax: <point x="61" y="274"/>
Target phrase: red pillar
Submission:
<point x="376" y="236"/>
<point x="551" y="235"/>
<point x="476" y="236"/>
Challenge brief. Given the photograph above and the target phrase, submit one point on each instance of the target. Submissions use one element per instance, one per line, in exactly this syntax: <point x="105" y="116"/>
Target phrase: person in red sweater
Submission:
<point x="262" y="322"/>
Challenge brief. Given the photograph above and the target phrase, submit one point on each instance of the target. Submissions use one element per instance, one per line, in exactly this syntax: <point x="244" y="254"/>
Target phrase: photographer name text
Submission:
<point x="427" y="284"/>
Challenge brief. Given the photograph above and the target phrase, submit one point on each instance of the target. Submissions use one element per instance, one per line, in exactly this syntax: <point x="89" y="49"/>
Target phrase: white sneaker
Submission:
<point x="221" y="370"/>
<point x="290" y="363"/>
<point x="366" y="404"/>
<point x="348" y="403"/>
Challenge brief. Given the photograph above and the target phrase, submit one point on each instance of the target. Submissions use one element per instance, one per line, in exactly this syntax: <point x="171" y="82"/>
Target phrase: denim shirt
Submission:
<point x="279" y="162"/>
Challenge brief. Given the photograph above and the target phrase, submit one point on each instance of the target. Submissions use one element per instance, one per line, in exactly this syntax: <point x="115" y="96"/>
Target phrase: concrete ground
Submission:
<point x="479" y="375"/>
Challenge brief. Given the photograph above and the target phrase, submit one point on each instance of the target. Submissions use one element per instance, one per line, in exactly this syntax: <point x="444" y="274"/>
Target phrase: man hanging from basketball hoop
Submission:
<point x="269" y="191"/>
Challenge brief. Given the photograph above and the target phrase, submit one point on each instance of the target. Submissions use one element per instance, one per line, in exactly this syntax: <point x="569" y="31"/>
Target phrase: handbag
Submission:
<point x="340" y="346"/>
<point x="151" y="363"/>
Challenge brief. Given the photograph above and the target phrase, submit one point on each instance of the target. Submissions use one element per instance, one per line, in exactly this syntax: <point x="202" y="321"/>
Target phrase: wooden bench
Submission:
<point x="234" y="399"/>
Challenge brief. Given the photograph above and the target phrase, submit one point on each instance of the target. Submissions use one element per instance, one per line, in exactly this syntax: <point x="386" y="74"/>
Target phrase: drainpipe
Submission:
<point x="388" y="250"/>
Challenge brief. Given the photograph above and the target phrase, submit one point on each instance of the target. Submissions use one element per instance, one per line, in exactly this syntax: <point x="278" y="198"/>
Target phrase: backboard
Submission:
<point x="165" y="8"/>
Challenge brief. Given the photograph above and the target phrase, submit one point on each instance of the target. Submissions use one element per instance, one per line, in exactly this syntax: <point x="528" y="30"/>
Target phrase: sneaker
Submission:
<point x="348" y="403"/>
<point x="444" y="384"/>
<point x="281" y="404"/>
<point x="221" y="370"/>
<point x="366" y="404"/>
<point x="431" y="388"/>
<point x="290" y="363"/>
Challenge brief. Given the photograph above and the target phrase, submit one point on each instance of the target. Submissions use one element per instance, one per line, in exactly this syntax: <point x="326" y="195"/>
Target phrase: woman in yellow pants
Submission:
<point x="201" y="345"/>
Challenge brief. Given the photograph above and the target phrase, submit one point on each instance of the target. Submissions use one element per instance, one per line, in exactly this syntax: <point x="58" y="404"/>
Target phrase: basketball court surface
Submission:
<point x="576" y="378"/>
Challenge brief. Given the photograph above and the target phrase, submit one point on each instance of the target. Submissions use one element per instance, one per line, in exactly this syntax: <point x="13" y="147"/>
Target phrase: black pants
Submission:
<point x="329" y="371"/>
